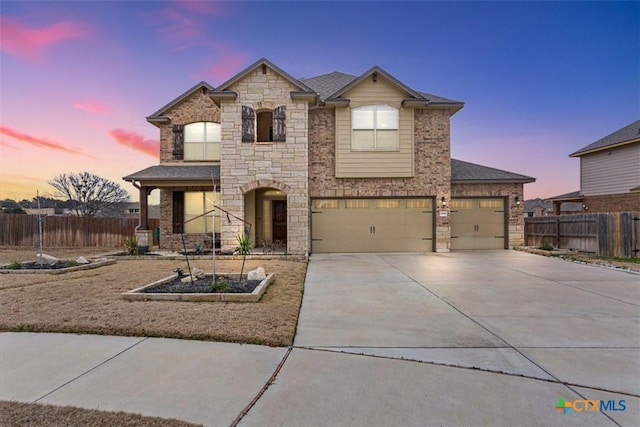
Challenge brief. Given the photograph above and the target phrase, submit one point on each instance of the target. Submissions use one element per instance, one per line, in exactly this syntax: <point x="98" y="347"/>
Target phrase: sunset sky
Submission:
<point x="539" y="79"/>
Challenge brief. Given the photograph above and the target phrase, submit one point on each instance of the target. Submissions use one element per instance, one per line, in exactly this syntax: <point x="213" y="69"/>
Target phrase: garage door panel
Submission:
<point x="477" y="223"/>
<point x="373" y="225"/>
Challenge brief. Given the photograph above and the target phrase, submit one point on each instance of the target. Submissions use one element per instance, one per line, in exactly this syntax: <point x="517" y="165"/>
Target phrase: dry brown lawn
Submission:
<point x="34" y="415"/>
<point x="90" y="302"/>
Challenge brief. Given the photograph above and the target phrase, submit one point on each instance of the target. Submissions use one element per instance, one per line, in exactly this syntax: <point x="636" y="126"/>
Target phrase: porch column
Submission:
<point x="144" y="207"/>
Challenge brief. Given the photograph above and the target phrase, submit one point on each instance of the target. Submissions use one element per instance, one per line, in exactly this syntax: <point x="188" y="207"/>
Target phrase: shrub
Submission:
<point x="131" y="245"/>
<point x="546" y="246"/>
<point x="244" y="244"/>
<point x="72" y="263"/>
<point x="15" y="265"/>
<point x="221" y="285"/>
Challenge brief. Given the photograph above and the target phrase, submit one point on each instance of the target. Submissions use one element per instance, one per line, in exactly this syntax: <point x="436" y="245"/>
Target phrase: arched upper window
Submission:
<point x="374" y="127"/>
<point x="202" y="141"/>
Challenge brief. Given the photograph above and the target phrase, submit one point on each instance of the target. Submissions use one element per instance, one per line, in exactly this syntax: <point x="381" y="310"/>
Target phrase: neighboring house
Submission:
<point x="609" y="173"/>
<point x="132" y="210"/>
<point x="537" y="207"/>
<point x="540" y="207"/>
<point x="41" y="211"/>
<point x="333" y="163"/>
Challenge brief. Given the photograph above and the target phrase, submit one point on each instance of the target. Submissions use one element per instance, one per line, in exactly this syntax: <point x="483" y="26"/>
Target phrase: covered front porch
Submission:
<point x="187" y="198"/>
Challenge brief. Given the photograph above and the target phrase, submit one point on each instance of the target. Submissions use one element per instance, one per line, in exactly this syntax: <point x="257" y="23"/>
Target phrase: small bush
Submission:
<point x="546" y="246"/>
<point x="244" y="244"/>
<point x="72" y="263"/>
<point x="131" y="245"/>
<point x="15" y="265"/>
<point x="220" y="285"/>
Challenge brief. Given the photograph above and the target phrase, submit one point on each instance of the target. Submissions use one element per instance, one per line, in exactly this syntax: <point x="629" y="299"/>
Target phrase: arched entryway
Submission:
<point x="266" y="209"/>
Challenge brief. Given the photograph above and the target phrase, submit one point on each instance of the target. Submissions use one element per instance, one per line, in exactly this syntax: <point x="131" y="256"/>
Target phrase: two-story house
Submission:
<point x="609" y="173"/>
<point x="333" y="163"/>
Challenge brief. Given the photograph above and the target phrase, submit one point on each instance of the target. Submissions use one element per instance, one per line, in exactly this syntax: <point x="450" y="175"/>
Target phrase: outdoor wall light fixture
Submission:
<point x="517" y="199"/>
<point x="585" y="207"/>
<point x="443" y="201"/>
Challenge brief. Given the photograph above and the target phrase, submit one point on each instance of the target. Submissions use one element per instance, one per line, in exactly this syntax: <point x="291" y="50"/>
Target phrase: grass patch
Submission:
<point x="18" y="414"/>
<point x="89" y="302"/>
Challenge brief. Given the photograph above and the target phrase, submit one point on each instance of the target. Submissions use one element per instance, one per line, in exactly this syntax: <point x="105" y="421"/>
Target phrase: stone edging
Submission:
<point x="138" y="295"/>
<point x="90" y="266"/>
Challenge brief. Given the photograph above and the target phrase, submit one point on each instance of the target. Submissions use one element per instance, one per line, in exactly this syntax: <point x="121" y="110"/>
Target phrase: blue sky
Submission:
<point x="539" y="79"/>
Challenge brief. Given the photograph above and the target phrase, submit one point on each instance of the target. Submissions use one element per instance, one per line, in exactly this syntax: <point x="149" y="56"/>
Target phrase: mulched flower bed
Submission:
<point x="203" y="286"/>
<point x="45" y="266"/>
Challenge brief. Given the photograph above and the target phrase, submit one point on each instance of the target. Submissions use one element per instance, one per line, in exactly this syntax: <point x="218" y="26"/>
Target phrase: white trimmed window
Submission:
<point x="202" y="141"/>
<point x="374" y="127"/>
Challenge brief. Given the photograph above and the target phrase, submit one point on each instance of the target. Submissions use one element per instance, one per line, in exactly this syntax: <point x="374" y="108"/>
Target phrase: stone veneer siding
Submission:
<point x="432" y="157"/>
<point x="515" y="224"/>
<point x="281" y="165"/>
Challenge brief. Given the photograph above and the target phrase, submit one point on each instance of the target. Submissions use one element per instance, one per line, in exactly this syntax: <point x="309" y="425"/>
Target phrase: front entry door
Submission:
<point x="279" y="226"/>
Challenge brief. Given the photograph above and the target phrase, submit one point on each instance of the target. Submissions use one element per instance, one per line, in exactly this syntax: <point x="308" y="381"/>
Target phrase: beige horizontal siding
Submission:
<point x="611" y="171"/>
<point x="373" y="164"/>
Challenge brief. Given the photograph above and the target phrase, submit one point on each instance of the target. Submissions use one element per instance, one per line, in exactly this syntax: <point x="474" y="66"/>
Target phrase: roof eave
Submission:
<point x="157" y="120"/>
<point x="336" y="102"/>
<point x="580" y="153"/>
<point x="494" y="181"/>
<point x="304" y="96"/>
<point x="218" y="96"/>
<point x="180" y="98"/>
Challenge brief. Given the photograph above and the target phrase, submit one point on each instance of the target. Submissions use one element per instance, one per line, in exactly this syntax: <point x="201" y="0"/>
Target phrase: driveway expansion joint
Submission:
<point x="486" y="328"/>
<point x="104" y="362"/>
<point x="270" y="381"/>
<point x="553" y="379"/>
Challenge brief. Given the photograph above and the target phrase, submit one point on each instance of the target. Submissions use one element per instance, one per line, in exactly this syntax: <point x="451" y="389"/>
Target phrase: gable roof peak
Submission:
<point x="159" y="115"/>
<point x="264" y="62"/>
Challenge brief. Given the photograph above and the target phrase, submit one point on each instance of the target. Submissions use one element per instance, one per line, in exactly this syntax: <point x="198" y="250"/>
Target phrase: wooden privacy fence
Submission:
<point x="67" y="231"/>
<point x="608" y="234"/>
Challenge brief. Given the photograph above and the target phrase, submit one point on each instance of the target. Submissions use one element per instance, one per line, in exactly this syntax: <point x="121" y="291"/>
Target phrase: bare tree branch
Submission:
<point x="90" y="192"/>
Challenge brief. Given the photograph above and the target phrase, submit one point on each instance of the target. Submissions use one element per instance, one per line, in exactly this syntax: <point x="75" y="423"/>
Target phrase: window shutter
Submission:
<point x="279" y="127"/>
<point x="178" y="142"/>
<point x="178" y="211"/>
<point x="248" y="128"/>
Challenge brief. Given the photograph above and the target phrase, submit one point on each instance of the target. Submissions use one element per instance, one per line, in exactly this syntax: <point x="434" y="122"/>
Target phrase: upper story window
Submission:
<point x="264" y="125"/>
<point x="202" y="141"/>
<point x="374" y="127"/>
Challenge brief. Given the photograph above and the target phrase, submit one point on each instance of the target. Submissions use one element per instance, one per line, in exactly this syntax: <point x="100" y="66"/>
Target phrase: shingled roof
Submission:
<point x="176" y="173"/>
<point x="626" y="135"/>
<point x="465" y="172"/>
<point x="328" y="84"/>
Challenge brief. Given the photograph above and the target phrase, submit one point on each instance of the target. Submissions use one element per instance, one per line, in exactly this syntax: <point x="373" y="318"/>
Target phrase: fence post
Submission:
<point x="557" y="232"/>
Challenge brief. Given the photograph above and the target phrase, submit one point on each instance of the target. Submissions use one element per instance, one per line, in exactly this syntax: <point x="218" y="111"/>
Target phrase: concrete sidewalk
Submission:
<point x="467" y="338"/>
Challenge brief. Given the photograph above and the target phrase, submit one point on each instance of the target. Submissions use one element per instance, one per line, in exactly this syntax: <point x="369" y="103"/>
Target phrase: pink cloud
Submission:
<point x="92" y="107"/>
<point x="20" y="40"/>
<point x="38" y="142"/>
<point x="136" y="141"/>
<point x="176" y="28"/>
<point x="201" y="7"/>
<point x="227" y="64"/>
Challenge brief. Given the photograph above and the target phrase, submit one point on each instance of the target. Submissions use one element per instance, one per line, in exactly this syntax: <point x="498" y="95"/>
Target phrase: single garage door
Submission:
<point x="372" y="225"/>
<point x="478" y="223"/>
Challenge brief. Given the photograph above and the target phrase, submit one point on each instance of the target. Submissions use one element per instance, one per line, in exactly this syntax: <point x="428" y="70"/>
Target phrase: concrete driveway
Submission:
<point x="465" y="338"/>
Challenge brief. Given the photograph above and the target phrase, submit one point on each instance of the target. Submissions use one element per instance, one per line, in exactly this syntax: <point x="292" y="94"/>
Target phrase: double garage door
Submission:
<point x="372" y="225"/>
<point x="403" y="225"/>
